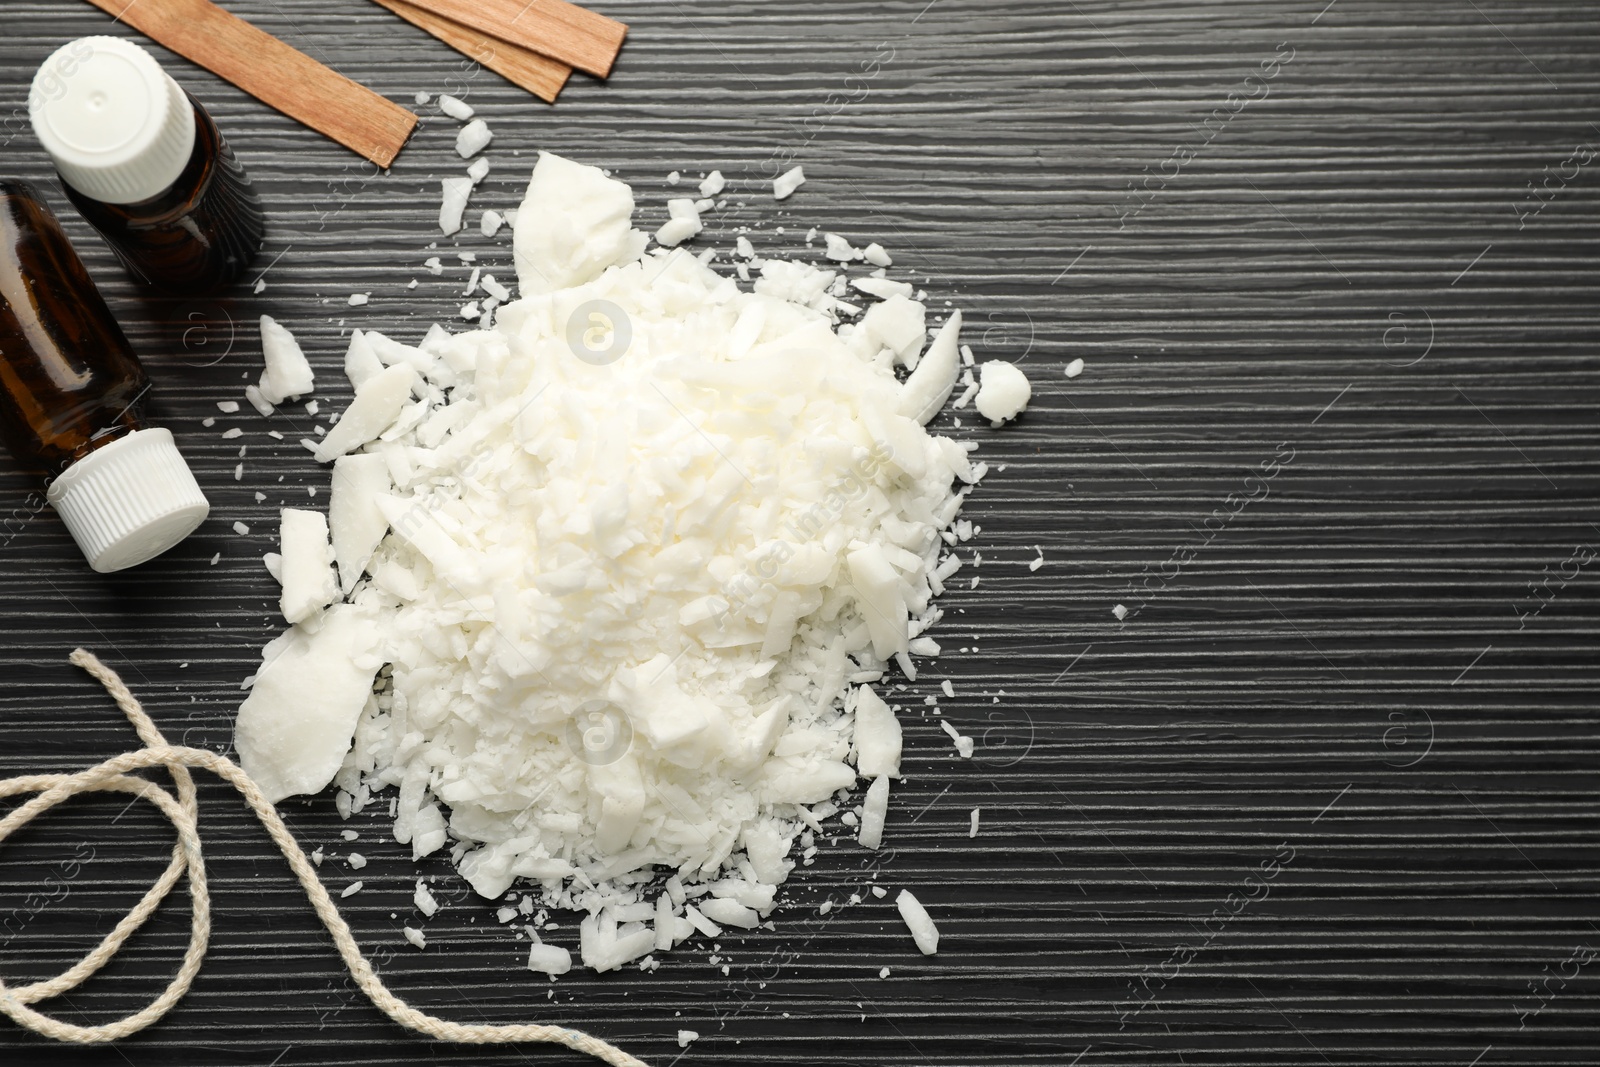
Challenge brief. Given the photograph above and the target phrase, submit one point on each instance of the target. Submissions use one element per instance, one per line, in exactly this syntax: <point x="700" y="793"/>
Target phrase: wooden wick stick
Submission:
<point x="540" y="75"/>
<point x="272" y="72"/>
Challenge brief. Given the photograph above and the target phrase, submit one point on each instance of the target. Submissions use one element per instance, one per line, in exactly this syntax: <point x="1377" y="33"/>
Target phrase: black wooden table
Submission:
<point x="1324" y="795"/>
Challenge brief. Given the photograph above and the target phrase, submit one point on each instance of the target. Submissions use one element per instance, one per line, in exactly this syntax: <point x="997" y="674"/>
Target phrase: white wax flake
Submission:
<point x="1120" y="612"/>
<point x="875" y="255"/>
<point x="350" y="890"/>
<point x="433" y="265"/>
<point x="1035" y="564"/>
<point x="879" y="892"/>
<point x="356" y="860"/>
<point x="479" y="169"/>
<point x="916" y="917"/>
<point x="549" y="959"/>
<point x="316" y="858"/>
<point x="686" y="1036"/>
<point x="784" y="185"/>
<point x="358" y="299"/>
<point x="232" y="432"/>
<point x="470" y="310"/>
<point x="1004" y="391"/>
<point x="473" y="138"/>
<point x="467" y="257"/>
<point x="261" y="286"/>
<point x="499" y="292"/>
<point x="949" y="689"/>
<point x="208" y="422"/>
<point x="683" y="222"/>
<point x="241" y="529"/>
<point x="459" y="110"/>
<point x="422" y="97"/>
<point x="349" y="835"/>
<point x="489" y="222"/>
<point x="415" y="936"/>
<point x="1074" y="368"/>
<point x="456" y="191"/>
<point x="472" y="281"/>
<point x="972" y="829"/>
<point x="674" y="178"/>
<point x="883" y="972"/>
<point x="424" y="899"/>
<point x="227" y="407"/>
<point x="840" y="250"/>
<point x="286" y="373"/>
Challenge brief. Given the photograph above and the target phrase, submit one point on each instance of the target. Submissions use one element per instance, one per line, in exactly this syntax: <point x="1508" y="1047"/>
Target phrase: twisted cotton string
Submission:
<point x="114" y="775"/>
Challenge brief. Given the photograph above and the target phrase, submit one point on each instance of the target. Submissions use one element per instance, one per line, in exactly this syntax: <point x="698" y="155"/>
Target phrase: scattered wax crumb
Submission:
<point x="356" y="860"/>
<point x="351" y="890"/>
<point x="1074" y="368"/>
<point x="686" y="1036"/>
<point x="459" y="110"/>
<point x="972" y="831"/>
<point x="784" y="185"/>
<point x="1003" y="392"/>
<point x="240" y="528"/>
<point x="416" y="937"/>
<point x="1120" y="612"/>
<point x="423" y="97"/>
<point x="227" y="407"/>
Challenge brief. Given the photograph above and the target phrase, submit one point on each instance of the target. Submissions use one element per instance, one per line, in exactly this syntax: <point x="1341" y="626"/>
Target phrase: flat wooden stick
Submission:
<point x="555" y="28"/>
<point x="272" y="72"/>
<point x="540" y="75"/>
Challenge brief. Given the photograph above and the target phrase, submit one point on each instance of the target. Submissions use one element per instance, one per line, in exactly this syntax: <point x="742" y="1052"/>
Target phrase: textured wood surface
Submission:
<point x="1366" y="675"/>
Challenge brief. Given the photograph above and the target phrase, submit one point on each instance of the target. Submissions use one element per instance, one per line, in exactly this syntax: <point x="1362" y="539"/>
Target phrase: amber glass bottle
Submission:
<point x="72" y="397"/>
<point x="146" y="165"/>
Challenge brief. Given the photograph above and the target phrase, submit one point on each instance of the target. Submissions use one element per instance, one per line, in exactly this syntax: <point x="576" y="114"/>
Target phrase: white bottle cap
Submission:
<point x="129" y="501"/>
<point x="119" y="129"/>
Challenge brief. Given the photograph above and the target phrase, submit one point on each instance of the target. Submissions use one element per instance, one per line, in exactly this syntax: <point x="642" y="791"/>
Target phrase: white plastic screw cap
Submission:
<point x="118" y="128"/>
<point x="129" y="501"/>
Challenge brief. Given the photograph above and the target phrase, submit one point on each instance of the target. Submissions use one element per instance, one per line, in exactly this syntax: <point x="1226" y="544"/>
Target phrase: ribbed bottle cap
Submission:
<point x="129" y="501"/>
<point x="118" y="128"/>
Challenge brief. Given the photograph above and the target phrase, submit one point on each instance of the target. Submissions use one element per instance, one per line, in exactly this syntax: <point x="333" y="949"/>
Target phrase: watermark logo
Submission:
<point x="599" y="733"/>
<point x="599" y="332"/>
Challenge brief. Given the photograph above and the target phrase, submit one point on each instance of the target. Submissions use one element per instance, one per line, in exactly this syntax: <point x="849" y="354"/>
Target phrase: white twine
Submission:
<point x="114" y="776"/>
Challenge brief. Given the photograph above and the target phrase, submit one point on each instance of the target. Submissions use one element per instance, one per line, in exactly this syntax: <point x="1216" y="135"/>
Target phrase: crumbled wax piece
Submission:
<point x="686" y="1036"/>
<point x="1004" y="391"/>
<point x="415" y="936"/>
<point x="227" y="407"/>
<point x="784" y="185"/>
<point x="683" y="223"/>
<point x="1074" y="368"/>
<point x="433" y="265"/>
<point x="456" y="191"/>
<point x="459" y="110"/>
<point x="358" y="299"/>
<point x="479" y="169"/>
<point x="473" y="138"/>
<point x="916" y="917"/>
<point x="286" y="373"/>
<point x="422" y="97"/>
<point x="574" y="222"/>
<point x="489" y="222"/>
<point x="308" y="584"/>
<point x="972" y="829"/>
<point x="713" y="184"/>
<point x="549" y="959"/>
<point x="875" y="255"/>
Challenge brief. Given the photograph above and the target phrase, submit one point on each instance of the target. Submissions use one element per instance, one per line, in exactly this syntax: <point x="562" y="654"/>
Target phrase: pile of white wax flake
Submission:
<point x="604" y="587"/>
